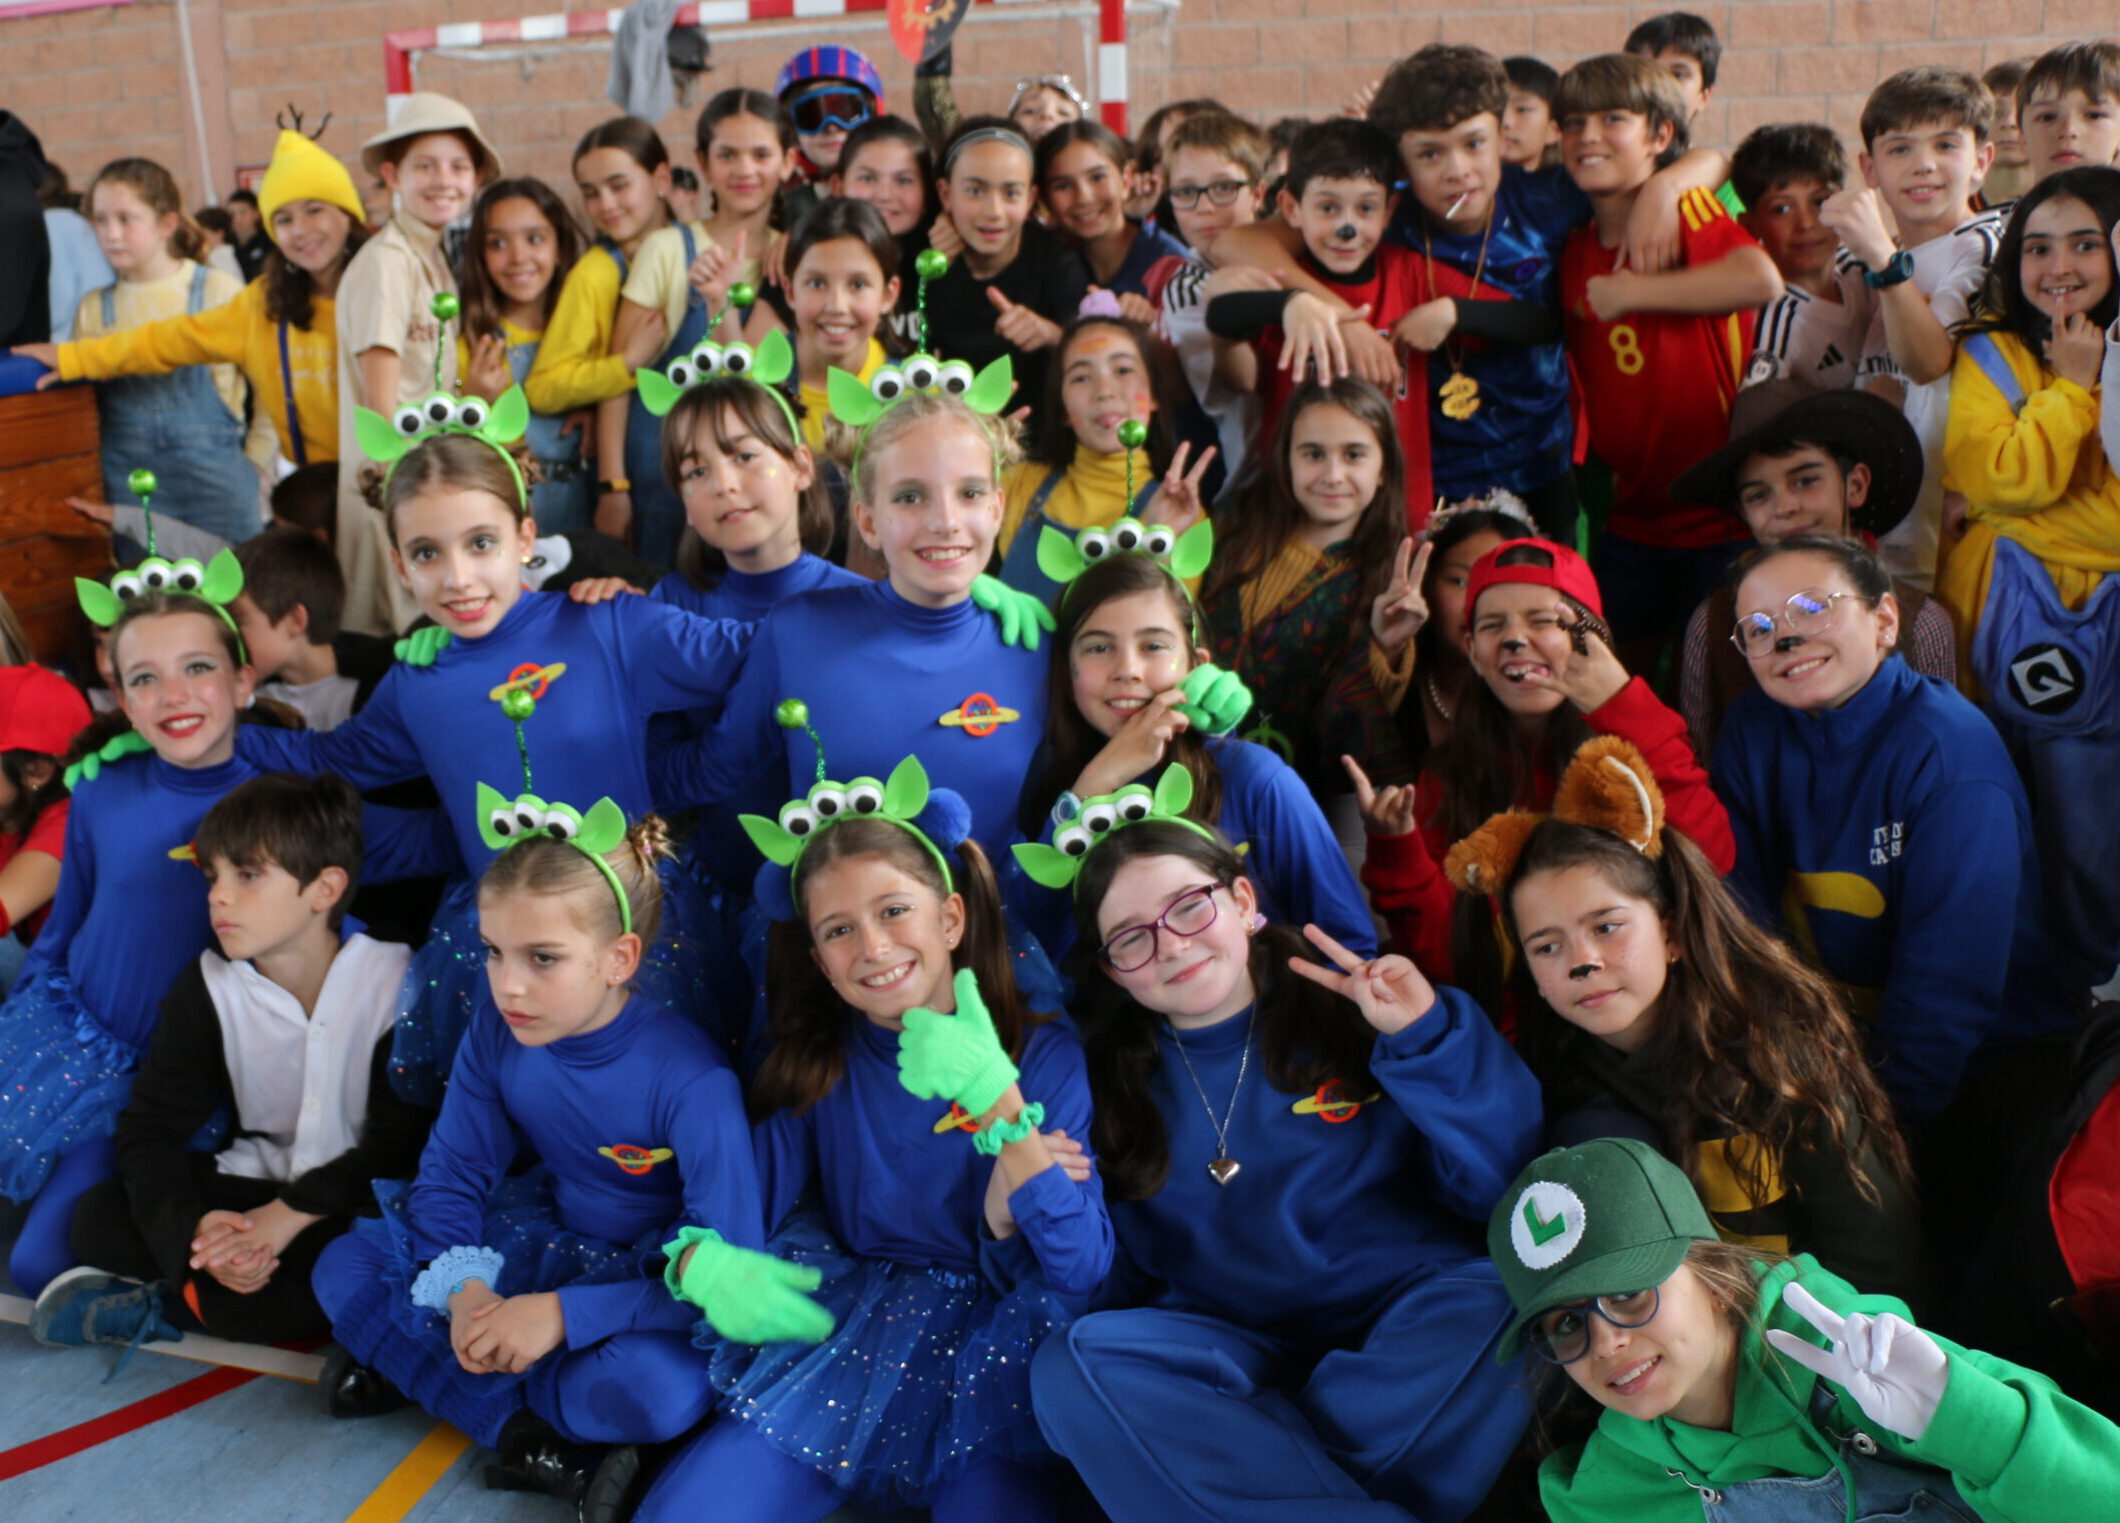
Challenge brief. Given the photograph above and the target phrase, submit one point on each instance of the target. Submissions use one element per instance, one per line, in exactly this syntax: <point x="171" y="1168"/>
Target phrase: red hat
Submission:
<point x="39" y="711"/>
<point x="1569" y="574"/>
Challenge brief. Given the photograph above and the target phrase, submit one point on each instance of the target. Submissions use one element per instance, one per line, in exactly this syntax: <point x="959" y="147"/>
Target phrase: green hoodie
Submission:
<point x="2019" y="1450"/>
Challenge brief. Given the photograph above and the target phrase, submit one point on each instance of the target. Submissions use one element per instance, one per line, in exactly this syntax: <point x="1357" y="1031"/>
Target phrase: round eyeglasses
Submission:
<point x="1806" y="613"/>
<point x="1561" y="1335"/>
<point x="1187" y="915"/>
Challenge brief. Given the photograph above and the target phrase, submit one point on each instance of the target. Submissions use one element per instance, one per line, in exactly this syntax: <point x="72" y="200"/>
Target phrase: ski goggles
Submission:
<point x="823" y="107"/>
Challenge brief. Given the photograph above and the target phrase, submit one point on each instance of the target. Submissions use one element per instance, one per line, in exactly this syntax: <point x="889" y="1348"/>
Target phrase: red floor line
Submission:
<point x="54" y="1447"/>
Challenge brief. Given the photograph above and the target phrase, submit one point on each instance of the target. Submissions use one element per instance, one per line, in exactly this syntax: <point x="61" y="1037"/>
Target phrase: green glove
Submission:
<point x="746" y="1296"/>
<point x="421" y="646"/>
<point x="1022" y="616"/>
<point x="955" y="1057"/>
<point x="1216" y="699"/>
<point x="117" y="748"/>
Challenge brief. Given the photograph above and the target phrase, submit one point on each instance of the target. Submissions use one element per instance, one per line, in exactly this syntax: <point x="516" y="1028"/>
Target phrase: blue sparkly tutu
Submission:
<point x="447" y="980"/>
<point x="63" y="1079"/>
<point x="927" y="1371"/>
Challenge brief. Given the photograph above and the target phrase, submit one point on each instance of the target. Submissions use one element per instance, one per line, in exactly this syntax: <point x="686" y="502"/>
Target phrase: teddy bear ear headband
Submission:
<point x="499" y="424"/>
<point x="769" y="365"/>
<point x="938" y="818"/>
<point x="216" y="583"/>
<point x="504" y="823"/>
<point x="1060" y="864"/>
<point x="1608" y="786"/>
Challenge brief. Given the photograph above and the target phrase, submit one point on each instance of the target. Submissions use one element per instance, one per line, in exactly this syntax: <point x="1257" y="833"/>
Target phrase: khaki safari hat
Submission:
<point x="425" y="112"/>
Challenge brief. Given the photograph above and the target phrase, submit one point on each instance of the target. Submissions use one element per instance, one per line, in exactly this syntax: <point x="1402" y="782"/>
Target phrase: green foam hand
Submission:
<point x="117" y="748"/>
<point x="1024" y="619"/>
<point x="1216" y="699"/>
<point x="746" y="1296"/>
<point x="421" y="646"/>
<point x="955" y="1057"/>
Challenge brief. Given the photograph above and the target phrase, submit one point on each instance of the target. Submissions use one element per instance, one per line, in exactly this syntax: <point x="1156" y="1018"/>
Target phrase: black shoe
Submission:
<point x="615" y="1490"/>
<point x="535" y="1456"/>
<point x="351" y="1389"/>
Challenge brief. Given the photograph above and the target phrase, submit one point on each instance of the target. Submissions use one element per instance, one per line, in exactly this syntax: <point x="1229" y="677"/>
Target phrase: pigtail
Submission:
<point x="189" y="240"/>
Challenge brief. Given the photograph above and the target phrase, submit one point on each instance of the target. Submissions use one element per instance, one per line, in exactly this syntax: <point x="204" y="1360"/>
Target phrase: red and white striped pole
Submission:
<point x="1111" y="63"/>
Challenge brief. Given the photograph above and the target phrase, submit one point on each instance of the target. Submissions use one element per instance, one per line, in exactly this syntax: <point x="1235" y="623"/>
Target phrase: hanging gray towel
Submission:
<point x="640" y="83"/>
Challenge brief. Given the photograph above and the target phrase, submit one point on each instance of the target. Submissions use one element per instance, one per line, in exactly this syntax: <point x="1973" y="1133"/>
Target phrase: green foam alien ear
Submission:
<point x="775" y="359"/>
<point x="378" y="439"/>
<point x="1189" y="557"/>
<point x="1046" y="865"/>
<point x="852" y="403"/>
<point x="1174" y="791"/>
<point x="905" y="791"/>
<point x="98" y="602"/>
<point x="1057" y="556"/>
<point x="509" y="419"/>
<point x="773" y="843"/>
<point x="658" y="393"/>
<point x="992" y="387"/>
<point x="603" y="827"/>
<point x="223" y="581"/>
<point x="489" y="802"/>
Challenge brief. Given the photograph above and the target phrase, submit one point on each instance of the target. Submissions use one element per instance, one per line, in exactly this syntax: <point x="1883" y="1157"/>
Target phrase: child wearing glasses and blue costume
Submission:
<point x="1312" y="1323"/>
<point x="1744" y="1387"/>
<point x="1881" y="824"/>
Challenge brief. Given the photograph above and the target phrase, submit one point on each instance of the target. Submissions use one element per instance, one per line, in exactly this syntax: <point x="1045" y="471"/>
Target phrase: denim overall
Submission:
<point x="1019" y="568"/>
<point x="177" y="426"/>
<point x="565" y="500"/>
<point x="1885" y="1488"/>
<point x="658" y="512"/>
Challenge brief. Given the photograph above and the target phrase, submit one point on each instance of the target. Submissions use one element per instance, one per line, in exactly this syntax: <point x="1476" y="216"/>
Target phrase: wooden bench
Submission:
<point x="48" y="453"/>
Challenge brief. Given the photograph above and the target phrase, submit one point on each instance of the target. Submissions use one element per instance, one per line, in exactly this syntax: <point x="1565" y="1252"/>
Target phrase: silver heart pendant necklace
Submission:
<point x="1221" y="1168"/>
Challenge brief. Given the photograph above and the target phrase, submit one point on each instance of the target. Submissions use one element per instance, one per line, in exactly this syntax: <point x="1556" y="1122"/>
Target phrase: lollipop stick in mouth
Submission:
<point x="1457" y="206"/>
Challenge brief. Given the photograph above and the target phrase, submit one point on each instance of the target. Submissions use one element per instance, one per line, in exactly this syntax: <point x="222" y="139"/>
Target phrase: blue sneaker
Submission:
<point x="85" y="1306"/>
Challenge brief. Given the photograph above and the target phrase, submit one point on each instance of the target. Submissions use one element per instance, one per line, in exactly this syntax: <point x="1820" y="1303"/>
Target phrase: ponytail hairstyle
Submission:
<point x="732" y="406"/>
<point x="808" y="1022"/>
<point x="1270" y="516"/>
<point x="543" y="864"/>
<point x="451" y="462"/>
<point x="482" y="300"/>
<point x="1308" y="1036"/>
<point x="922" y="409"/>
<point x="158" y="188"/>
<point x="636" y="139"/>
<point x="895" y="129"/>
<point x="1055" y="445"/>
<point x="768" y="109"/>
<point x="1071" y="742"/>
<point x="1750" y="1041"/>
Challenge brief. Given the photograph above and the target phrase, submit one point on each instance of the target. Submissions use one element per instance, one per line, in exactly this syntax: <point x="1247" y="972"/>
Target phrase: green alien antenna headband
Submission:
<point x="216" y="583"/>
<point x="389" y="440"/>
<point x="504" y="822"/>
<point x="1060" y="864"/>
<point x="769" y="364"/>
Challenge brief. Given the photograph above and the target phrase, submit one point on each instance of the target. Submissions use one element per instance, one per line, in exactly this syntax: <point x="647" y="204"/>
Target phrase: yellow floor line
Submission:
<point x="414" y="1477"/>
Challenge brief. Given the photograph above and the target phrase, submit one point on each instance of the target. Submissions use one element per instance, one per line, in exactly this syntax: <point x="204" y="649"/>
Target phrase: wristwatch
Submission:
<point x="619" y="485"/>
<point x="1896" y="269"/>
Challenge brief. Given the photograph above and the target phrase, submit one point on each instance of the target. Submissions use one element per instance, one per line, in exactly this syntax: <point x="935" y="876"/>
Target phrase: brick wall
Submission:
<point x="97" y="83"/>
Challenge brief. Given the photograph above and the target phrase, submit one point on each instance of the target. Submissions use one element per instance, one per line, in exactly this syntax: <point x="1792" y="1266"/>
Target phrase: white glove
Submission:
<point x="1894" y="1370"/>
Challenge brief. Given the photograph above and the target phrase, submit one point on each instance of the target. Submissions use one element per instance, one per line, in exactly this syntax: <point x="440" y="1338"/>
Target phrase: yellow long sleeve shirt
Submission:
<point x="2036" y="474"/>
<point x="575" y="366"/>
<point x="236" y="333"/>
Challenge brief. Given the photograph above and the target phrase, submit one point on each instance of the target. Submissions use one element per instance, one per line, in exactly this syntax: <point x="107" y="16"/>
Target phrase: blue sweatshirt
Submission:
<point x="127" y="918"/>
<point x="1891" y="838"/>
<point x="625" y="659"/>
<point x="880" y="675"/>
<point x="895" y="1188"/>
<point x="646" y="1083"/>
<point x="1329" y="1220"/>
<point x="719" y="841"/>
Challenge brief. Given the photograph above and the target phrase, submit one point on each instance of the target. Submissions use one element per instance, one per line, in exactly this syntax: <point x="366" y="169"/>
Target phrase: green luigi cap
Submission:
<point x="1602" y="1219"/>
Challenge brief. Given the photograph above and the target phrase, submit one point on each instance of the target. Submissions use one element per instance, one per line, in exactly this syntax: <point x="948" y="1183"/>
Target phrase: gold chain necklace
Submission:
<point x="1461" y="393"/>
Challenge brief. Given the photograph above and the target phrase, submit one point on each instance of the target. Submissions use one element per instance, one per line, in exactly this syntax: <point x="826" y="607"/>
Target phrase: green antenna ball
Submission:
<point x="931" y="264"/>
<point x="1133" y="433"/>
<point x="445" y="305"/>
<point x="742" y="294"/>
<point x="141" y="483"/>
<point x="517" y="704"/>
<point x="792" y="714"/>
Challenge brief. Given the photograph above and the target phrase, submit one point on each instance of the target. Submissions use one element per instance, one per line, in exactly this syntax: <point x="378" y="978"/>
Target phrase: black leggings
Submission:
<point x="281" y="1310"/>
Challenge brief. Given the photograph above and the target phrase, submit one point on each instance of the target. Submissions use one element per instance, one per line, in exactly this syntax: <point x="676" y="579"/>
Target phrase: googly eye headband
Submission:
<point x="504" y="822"/>
<point x="769" y="364"/>
<point x="938" y="818"/>
<point x="1064" y="557"/>
<point x="1607" y="786"/>
<point x="1060" y="864"/>
<point x="498" y="425"/>
<point x="216" y="583"/>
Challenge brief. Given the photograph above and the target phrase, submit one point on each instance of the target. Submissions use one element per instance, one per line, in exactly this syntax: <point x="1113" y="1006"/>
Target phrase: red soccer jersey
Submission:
<point x="1656" y="386"/>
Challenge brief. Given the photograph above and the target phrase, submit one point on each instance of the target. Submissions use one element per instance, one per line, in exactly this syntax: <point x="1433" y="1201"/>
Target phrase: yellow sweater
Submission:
<point x="1092" y="492"/>
<point x="575" y="366"/>
<point x="2037" y="475"/>
<point x="237" y="333"/>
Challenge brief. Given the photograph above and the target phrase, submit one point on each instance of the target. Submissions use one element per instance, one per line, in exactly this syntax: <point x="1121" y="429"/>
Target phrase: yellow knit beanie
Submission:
<point x="301" y="171"/>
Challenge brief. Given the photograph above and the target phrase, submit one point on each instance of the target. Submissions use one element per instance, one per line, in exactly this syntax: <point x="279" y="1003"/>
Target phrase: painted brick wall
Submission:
<point x="102" y="82"/>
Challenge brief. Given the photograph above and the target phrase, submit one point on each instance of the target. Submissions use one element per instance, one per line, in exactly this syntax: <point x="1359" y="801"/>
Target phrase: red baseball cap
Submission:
<point x="1569" y="574"/>
<point x="39" y="711"/>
